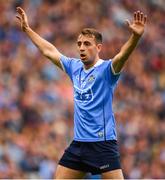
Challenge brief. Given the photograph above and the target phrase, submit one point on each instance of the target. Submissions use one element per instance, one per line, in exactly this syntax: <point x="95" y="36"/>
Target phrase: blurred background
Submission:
<point x="36" y="103"/>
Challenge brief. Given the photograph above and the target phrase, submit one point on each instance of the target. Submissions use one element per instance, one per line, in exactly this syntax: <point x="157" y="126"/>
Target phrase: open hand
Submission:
<point x="22" y="18"/>
<point x="138" y="24"/>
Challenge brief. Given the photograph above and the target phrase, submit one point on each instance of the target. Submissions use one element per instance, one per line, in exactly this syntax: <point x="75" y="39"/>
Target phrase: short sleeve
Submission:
<point x="113" y="77"/>
<point x="66" y="64"/>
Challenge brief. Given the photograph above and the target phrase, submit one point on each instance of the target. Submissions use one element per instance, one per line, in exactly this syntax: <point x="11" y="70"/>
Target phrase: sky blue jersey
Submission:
<point x="93" y="94"/>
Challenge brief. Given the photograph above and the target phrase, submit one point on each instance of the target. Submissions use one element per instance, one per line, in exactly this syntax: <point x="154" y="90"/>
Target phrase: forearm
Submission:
<point x="41" y="43"/>
<point x="126" y="50"/>
<point x="46" y="48"/>
<point x="128" y="47"/>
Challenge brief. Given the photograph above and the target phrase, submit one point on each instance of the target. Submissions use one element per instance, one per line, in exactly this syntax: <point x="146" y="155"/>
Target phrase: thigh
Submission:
<point x="114" y="174"/>
<point x="67" y="173"/>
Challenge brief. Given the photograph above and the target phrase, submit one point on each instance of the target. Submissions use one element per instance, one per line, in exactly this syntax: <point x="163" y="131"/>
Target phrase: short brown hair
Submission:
<point x="92" y="32"/>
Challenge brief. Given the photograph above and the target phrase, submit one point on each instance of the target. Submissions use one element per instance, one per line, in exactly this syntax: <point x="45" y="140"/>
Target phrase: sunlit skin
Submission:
<point x="88" y="50"/>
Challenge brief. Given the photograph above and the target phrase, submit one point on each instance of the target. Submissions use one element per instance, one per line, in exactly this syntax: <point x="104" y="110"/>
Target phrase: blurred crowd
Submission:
<point x="36" y="103"/>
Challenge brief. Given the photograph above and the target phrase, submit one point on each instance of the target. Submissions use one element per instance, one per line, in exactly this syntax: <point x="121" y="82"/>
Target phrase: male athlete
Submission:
<point x="94" y="148"/>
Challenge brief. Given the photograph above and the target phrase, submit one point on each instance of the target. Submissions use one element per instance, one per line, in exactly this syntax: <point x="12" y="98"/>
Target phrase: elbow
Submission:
<point x="46" y="51"/>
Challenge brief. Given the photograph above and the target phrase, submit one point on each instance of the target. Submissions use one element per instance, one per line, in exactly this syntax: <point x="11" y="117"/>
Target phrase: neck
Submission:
<point x="88" y="65"/>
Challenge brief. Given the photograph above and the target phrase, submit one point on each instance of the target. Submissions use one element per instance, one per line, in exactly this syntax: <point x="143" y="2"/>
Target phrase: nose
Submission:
<point x="82" y="48"/>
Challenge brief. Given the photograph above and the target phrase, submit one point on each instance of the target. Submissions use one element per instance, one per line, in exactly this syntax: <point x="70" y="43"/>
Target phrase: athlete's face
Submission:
<point x="88" y="48"/>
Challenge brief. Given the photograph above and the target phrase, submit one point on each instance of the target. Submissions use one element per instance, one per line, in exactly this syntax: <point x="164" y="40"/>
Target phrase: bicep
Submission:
<point x="54" y="55"/>
<point x="118" y="63"/>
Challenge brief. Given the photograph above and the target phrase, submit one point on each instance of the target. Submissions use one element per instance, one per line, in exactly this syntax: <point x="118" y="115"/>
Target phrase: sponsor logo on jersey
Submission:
<point x="84" y="95"/>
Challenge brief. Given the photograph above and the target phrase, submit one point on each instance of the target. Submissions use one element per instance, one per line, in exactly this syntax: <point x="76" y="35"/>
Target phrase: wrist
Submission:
<point x="26" y="29"/>
<point x="136" y="36"/>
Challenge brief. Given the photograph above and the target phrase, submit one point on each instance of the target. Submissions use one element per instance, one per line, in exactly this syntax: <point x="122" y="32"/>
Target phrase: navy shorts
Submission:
<point x="93" y="157"/>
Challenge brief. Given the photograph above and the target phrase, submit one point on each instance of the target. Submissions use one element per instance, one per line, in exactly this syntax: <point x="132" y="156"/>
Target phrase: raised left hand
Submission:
<point x="138" y="24"/>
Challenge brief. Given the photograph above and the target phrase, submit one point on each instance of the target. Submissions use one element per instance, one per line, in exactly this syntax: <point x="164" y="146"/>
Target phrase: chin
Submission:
<point x="84" y="60"/>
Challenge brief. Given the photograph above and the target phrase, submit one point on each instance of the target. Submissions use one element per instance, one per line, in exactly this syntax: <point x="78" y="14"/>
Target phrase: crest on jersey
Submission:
<point x="100" y="134"/>
<point x="91" y="78"/>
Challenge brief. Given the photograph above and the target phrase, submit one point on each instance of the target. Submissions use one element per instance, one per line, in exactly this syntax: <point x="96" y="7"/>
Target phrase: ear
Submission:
<point x="99" y="47"/>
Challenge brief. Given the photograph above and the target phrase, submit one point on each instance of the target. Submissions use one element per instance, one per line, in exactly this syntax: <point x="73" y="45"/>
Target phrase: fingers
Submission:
<point x="20" y="10"/>
<point x="128" y="23"/>
<point x="19" y="18"/>
<point x="145" y="19"/>
<point x="140" y="17"/>
<point x="135" y="16"/>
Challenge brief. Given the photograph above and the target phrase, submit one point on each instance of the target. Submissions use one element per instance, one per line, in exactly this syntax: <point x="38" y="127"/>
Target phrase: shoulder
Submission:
<point x="76" y="62"/>
<point x="69" y="62"/>
<point x="103" y="63"/>
<point x="66" y="58"/>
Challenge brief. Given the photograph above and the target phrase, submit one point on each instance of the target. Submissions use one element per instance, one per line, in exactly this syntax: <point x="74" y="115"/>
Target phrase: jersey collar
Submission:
<point x="99" y="62"/>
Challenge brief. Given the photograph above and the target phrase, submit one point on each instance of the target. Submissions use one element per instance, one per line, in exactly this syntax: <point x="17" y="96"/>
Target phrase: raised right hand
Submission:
<point x="22" y="18"/>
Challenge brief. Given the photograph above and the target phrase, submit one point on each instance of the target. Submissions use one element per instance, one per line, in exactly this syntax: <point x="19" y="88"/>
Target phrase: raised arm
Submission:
<point x="46" y="48"/>
<point x="137" y="28"/>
